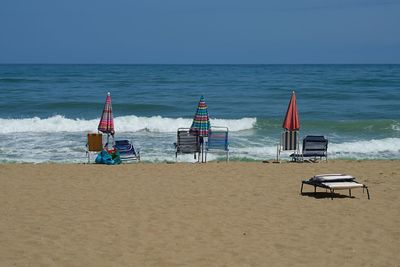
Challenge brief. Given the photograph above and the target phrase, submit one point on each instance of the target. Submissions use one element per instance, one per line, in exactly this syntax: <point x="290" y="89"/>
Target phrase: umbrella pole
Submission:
<point x="202" y="151"/>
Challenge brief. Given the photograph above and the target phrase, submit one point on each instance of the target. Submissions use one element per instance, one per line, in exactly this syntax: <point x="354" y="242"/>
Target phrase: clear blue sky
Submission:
<point x="206" y="31"/>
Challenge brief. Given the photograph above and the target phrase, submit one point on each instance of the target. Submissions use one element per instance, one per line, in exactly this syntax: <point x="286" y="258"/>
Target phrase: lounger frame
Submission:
<point x="327" y="187"/>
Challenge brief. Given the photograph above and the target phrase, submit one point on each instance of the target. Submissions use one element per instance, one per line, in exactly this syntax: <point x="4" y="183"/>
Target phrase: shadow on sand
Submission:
<point x="321" y="195"/>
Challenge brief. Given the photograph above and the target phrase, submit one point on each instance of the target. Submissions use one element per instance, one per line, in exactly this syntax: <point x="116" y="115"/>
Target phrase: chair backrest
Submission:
<point x="218" y="138"/>
<point x="187" y="142"/>
<point x="95" y="142"/>
<point x="315" y="145"/>
<point x="290" y="140"/>
<point x="124" y="145"/>
<point x="122" y="142"/>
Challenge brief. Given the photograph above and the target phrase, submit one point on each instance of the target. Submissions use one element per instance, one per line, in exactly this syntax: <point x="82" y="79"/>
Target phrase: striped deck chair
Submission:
<point x="187" y="143"/>
<point x="289" y="142"/>
<point x="127" y="151"/>
<point x="218" y="141"/>
<point x="94" y="144"/>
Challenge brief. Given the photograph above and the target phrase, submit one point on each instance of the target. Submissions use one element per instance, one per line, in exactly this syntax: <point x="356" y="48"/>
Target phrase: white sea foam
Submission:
<point x="382" y="148"/>
<point x="387" y="148"/>
<point x="396" y="127"/>
<point x="122" y="124"/>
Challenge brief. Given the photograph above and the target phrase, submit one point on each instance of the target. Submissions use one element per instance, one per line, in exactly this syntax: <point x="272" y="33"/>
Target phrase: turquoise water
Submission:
<point x="46" y="110"/>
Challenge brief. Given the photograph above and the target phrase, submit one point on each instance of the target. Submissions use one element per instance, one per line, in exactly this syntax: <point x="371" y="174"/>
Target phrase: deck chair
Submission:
<point x="187" y="143"/>
<point x="334" y="182"/>
<point x="314" y="146"/>
<point x="217" y="141"/>
<point x="289" y="141"/>
<point x="94" y="144"/>
<point x="126" y="150"/>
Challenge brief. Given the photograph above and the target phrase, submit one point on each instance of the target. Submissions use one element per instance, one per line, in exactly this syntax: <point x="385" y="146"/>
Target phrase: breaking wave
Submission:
<point x="130" y="123"/>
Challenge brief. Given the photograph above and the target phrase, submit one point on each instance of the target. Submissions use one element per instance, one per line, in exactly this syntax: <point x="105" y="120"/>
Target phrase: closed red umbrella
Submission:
<point x="106" y="124"/>
<point x="292" y="122"/>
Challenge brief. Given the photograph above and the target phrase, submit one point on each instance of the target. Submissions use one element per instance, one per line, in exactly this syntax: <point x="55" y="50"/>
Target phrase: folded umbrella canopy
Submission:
<point x="106" y="124"/>
<point x="291" y="125"/>
<point x="201" y="121"/>
<point x="292" y="122"/>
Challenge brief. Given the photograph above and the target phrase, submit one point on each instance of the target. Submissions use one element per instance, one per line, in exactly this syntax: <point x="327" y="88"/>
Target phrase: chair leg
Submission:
<point x="349" y="192"/>
<point x="278" y="153"/>
<point x="301" y="189"/>
<point x="367" y="191"/>
<point x="332" y="192"/>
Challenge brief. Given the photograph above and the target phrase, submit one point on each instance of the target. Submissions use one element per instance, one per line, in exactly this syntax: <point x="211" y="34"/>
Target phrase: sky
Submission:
<point x="200" y="32"/>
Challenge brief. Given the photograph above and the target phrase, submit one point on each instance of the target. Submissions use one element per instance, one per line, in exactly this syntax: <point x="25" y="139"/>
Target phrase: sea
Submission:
<point x="46" y="111"/>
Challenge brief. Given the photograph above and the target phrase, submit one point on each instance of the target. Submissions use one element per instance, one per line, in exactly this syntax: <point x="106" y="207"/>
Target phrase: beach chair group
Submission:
<point x="314" y="147"/>
<point x="190" y="143"/>
<point x="187" y="143"/>
<point x="125" y="148"/>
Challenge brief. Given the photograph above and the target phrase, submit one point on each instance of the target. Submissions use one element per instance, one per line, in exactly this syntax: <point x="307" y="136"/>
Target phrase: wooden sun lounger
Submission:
<point x="334" y="182"/>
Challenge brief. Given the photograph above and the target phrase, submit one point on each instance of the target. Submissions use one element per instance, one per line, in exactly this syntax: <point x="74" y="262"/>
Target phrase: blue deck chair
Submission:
<point x="126" y="150"/>
<point x="218" y="141"/>
<point x="314" y="146"/>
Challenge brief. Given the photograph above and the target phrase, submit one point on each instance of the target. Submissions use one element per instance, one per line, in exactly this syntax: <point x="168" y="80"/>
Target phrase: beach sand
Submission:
<point x="214" y="214"/>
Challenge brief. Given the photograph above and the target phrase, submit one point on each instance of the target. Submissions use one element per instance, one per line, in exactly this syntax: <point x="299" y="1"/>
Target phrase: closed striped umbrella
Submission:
<point x="201" y="121"/>
<point x="106" y="124"/>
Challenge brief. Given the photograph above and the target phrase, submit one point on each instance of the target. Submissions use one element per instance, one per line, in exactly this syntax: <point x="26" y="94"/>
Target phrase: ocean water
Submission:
<point x="47" y="110"/>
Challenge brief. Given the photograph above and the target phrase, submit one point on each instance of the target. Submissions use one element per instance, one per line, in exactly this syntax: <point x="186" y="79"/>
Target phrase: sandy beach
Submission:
<point x="214" y="214"/>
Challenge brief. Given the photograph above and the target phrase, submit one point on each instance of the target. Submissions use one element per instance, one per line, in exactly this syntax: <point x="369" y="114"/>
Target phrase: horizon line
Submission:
<point x="222" y="64"/>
